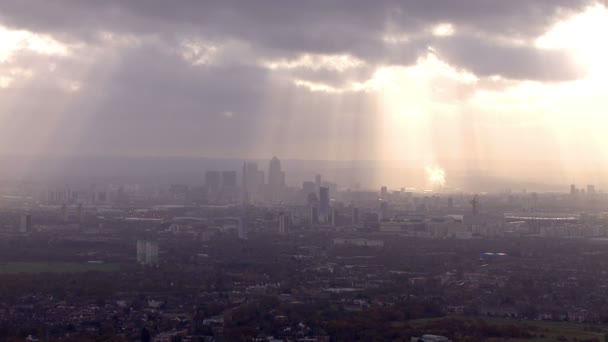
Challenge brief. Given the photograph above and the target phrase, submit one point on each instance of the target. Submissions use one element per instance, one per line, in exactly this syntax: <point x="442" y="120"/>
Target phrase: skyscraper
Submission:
<point x="229" y="179"/>
<point x="314" y="215"/>
<point x="212" y="180"/>
<point x="324" y="203"/>
<point x="253" y="180"/>
<point x="384" y="193"/>
<point x="26" y="223"/>
<point x="283" y="224"/>
<point x="276" y="179"/>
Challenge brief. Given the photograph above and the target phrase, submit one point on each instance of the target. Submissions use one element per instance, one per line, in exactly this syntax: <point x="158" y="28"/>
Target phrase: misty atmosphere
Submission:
<point x="311" y="170"/>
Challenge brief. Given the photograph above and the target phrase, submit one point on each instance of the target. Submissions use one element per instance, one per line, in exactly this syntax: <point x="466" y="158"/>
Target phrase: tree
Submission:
<point x="145" y="335"/>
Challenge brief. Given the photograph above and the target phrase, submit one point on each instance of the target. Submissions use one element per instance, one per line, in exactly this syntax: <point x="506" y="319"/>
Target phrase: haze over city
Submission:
<point x="306" y="170"/>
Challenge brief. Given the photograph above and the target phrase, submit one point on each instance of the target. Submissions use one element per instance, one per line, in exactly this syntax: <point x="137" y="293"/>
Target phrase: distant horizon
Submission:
<point x="461" y="175"/>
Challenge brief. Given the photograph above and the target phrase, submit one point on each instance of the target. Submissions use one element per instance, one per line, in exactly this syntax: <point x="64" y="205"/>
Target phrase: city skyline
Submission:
<point x="305" y="170"/>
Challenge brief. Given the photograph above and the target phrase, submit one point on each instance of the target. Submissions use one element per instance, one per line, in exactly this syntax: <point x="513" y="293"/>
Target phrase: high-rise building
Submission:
<point x="314" y="215"/>
<point x="229" y="179"/>
<point x="334" y="217"/>
<point x="384" y="215"/>
<point x="590" y="189"/>
<point x="384" y="193"/>
<point x="253" y="181"/>
<point x="572" y="189"/>
<point x="276" y="179"/>
<point x="283" y="224"/>
<point x="308" y="187"/>
<point x="25" y="226"/>
<point x="147" y="252"/>
<point x="212" y="180"/>
<point x="324" y="203"/>
<point x="318" y="181"/>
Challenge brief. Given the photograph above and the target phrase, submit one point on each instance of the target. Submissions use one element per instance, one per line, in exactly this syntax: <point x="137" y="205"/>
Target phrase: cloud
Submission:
<point x="151" y="76"/>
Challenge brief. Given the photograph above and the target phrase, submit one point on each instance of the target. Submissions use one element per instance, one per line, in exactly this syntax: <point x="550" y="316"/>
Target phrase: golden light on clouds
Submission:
<point x="443" y="30"/>
<point x="15" y="40"/>
<point x="316" y="62"/>
<point x="584" y="36"/>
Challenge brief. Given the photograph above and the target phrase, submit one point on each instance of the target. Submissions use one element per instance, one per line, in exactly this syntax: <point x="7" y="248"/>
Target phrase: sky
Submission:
<point x="468" y="83"/>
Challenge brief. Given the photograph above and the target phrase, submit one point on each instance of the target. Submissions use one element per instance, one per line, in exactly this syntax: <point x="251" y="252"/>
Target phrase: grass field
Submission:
<point x="54" y="267"/>
<point x="542" y="330"/>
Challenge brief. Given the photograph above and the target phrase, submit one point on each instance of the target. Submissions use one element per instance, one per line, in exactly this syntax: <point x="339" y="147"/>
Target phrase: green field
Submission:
<point x="541" y="330"/>
<point x="54" y="267"/>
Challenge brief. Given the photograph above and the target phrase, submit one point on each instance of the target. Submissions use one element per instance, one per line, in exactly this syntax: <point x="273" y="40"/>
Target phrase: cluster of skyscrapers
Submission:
<point x="254" y="185"/>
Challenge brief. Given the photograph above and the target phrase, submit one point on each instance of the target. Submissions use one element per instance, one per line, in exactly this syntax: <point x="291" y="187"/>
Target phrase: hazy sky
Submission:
<point x="425" y="80"/>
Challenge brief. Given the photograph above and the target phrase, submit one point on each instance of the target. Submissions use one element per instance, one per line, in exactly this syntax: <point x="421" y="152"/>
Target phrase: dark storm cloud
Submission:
<point x="339" y="26"/>
<point x="316" y="26"/>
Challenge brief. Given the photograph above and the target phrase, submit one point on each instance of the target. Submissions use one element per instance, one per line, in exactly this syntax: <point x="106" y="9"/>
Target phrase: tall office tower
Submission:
<point x="253" y="179"/>
<point x="324" y="203"/>
<point x="572" y="189"/>
<point x="25" y="225"/>
<point x="308" y="187"/>
<point x="276" y="179"/>
<point x="283" y="224"/>
<point x="451" y="202"/>
<point x="212" y="180"/>
<point x="314" y="215"/>
<point x="590" y="189"/>
<point x="147" y="252"/>
<point x="334" y="217"/>
<point x="384" y="193"/>
<point x="242" y="229"/>
<point x="318" y="181"/>
<point x="229" y="179"/>
<point x="384" y="210"/>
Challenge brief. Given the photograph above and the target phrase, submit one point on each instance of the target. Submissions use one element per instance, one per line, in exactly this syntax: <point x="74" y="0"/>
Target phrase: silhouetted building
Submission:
<point x="334" y="217"/>
<point x="276" y="179"/>
<point x="324" y="203"/>
<point x="308" y="188"/>
<point x="212" y="181"/>
<point x="314" y="215"/>
<point x="283" y="224"/>
<point x="384" y="193"/>
<point x="384" y="214"/>
<point x="229" y="179"/>
<point x="253" y="181"/>
<point x="25" y="225"/>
